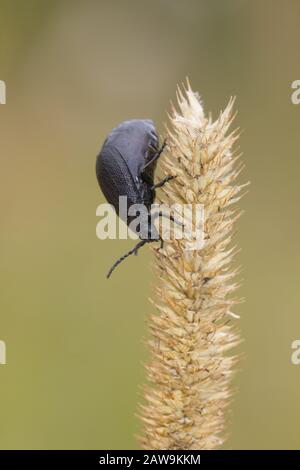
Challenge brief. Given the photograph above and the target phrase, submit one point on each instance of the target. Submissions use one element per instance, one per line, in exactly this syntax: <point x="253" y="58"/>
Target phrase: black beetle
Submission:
<point x="125" y="166"/>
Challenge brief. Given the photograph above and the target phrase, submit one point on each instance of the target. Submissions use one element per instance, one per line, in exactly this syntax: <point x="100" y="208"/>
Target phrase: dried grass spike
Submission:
<point x="191" y="333"/>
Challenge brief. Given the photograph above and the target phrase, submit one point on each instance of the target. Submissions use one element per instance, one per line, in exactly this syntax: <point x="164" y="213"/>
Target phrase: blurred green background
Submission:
<point x="73" y="70"/>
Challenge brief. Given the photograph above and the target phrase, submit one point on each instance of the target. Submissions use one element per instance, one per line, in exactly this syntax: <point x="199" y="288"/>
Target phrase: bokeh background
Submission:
<point x="73" y="70"/>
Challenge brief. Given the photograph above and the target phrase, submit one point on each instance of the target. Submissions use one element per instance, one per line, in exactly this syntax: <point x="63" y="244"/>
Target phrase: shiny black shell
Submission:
<point x="120" y="165"/>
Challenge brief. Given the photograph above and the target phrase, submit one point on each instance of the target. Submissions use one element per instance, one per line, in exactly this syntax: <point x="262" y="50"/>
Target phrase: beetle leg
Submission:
<point x="163" y="182"/>
<point x="156" y="156"/>
<point x="170" y="216"/>
<point x="174" y="220"/>
<point x="131" y="252"/>
<point x="161" y="243"/>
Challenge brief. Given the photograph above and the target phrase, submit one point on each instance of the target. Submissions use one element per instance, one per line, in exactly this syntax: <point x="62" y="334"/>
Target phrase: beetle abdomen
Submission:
<point x="115" y="178"/>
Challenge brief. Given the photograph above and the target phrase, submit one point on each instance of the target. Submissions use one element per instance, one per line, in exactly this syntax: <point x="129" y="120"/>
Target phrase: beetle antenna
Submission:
<point x="131" y="252"/>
